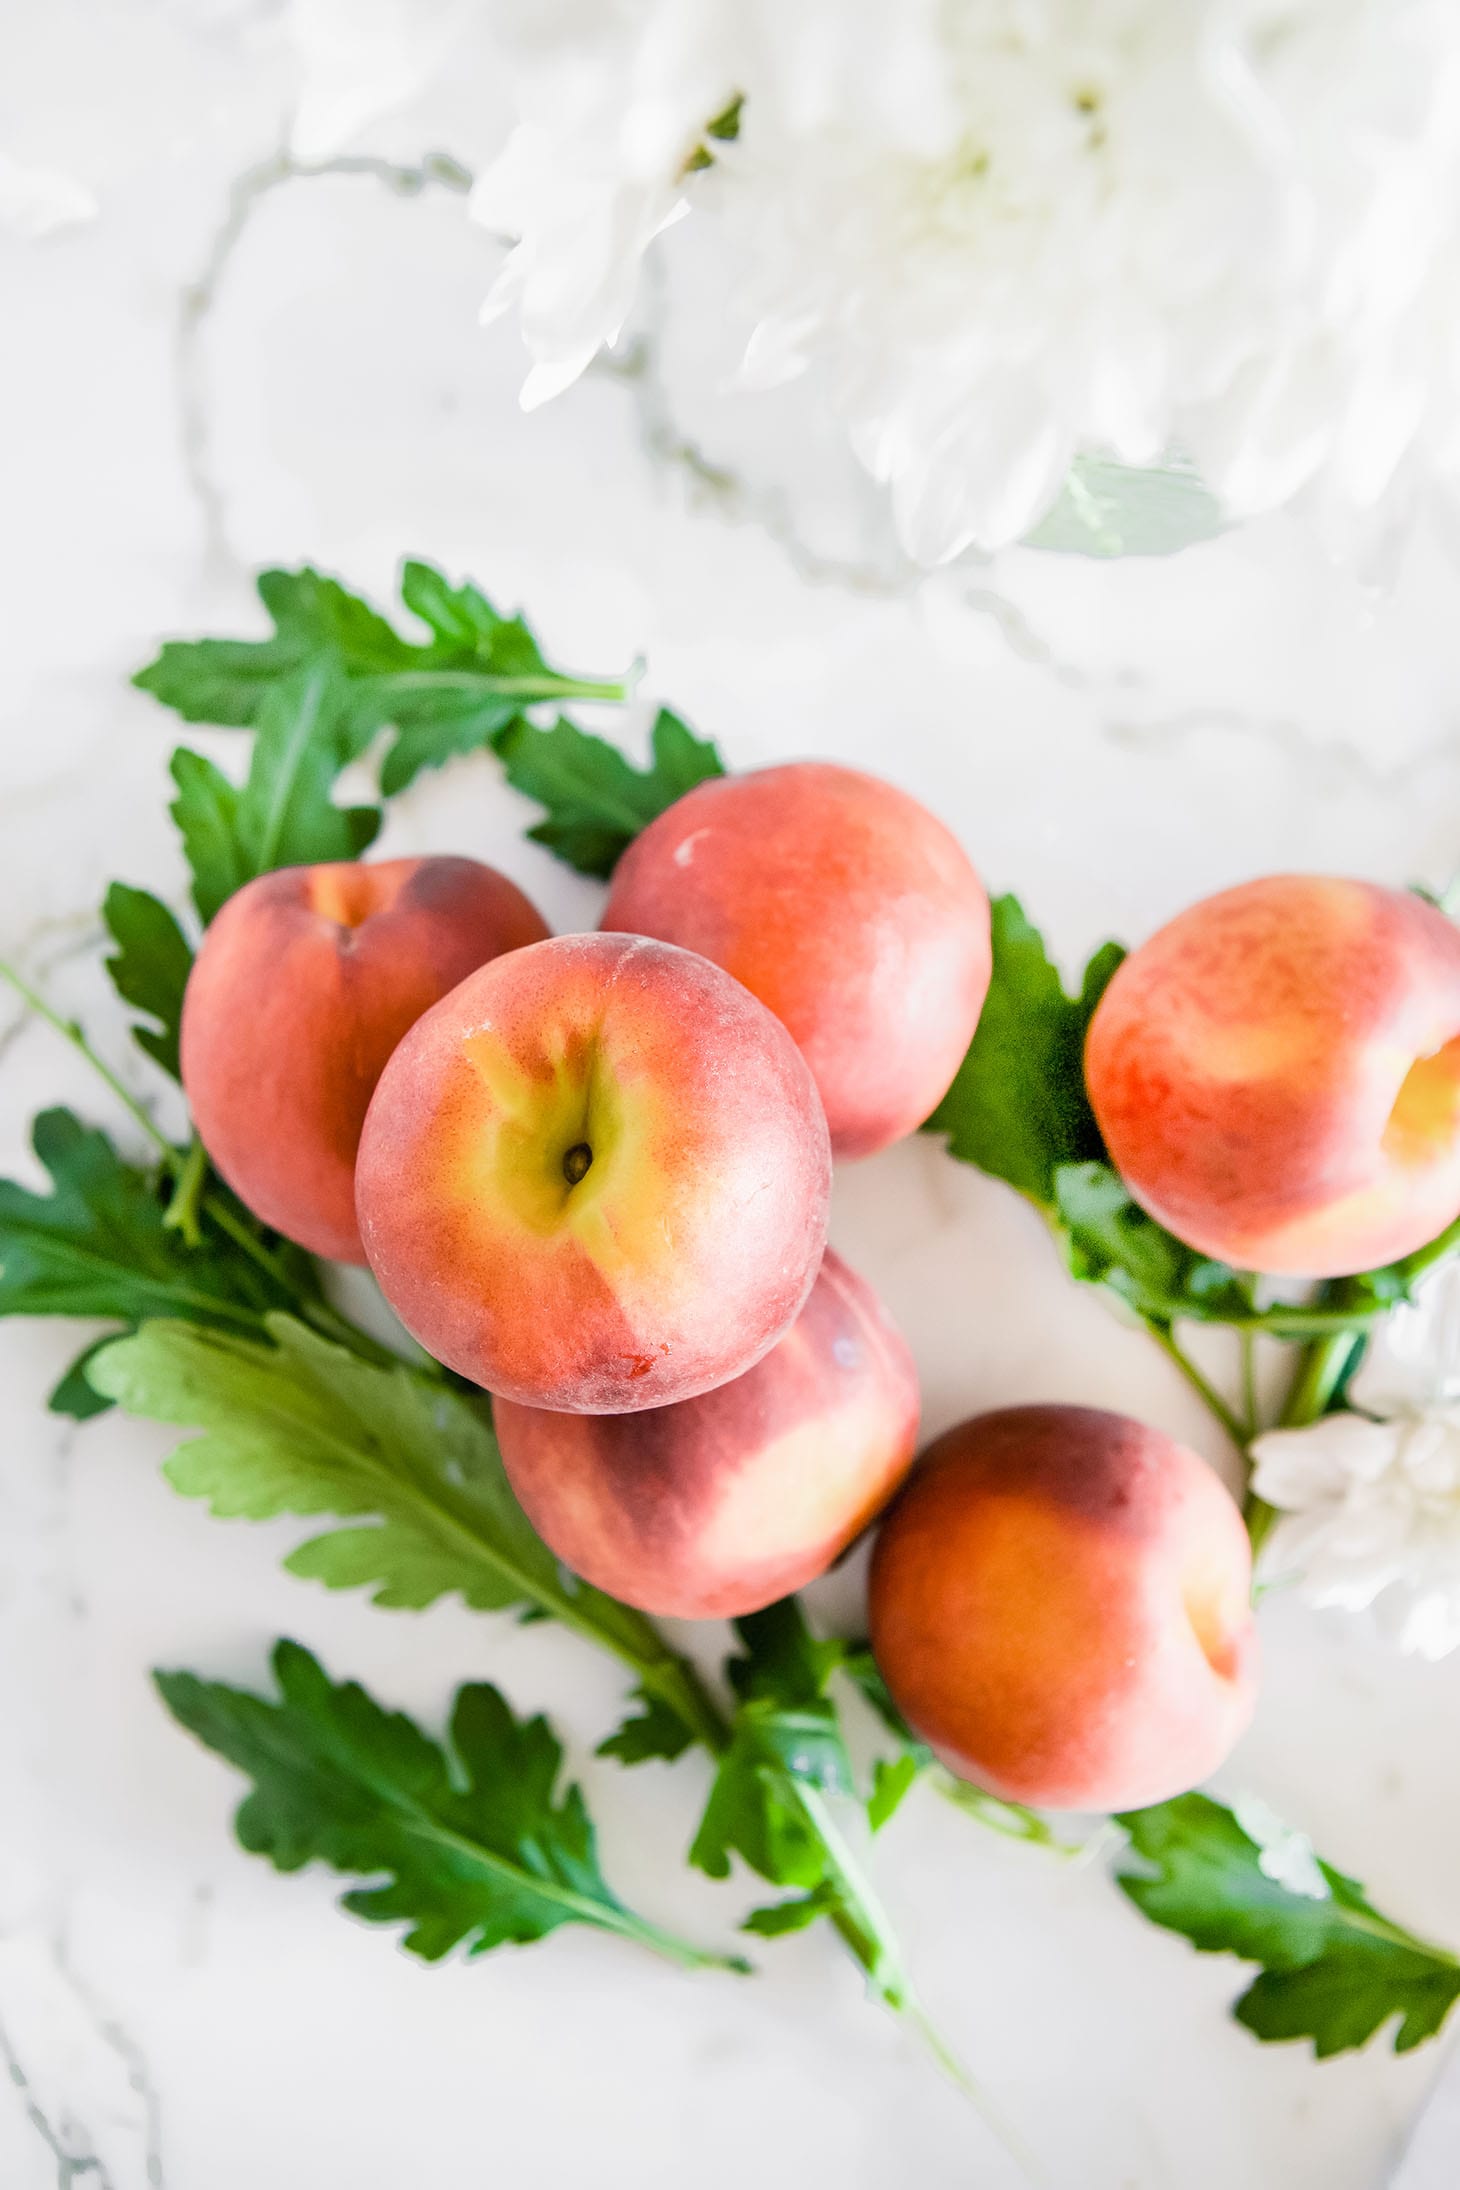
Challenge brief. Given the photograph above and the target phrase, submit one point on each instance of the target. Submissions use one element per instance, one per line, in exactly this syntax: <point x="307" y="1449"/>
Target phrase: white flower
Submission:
<point x="359" y="58"/>
<point x="1000" y="232"/>
<point x="614" y="101"/>
<point x="1370" y="1501"/>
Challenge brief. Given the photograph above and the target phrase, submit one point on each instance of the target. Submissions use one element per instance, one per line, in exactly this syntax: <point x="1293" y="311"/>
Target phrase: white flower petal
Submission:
<point x="359" y="58"/>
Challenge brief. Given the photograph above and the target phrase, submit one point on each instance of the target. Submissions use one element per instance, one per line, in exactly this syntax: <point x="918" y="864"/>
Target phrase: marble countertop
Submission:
<point x="240" y="361"/>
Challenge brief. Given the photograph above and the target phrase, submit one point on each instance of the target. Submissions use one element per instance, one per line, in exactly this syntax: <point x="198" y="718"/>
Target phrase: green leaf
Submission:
<point x="149" y="967"/>
<point x="1017" y="1107"/>
<point x="301" y="1426"/>
<point x="1333" y="1970"/>
<point x="1110" y="1241"/>
<point x="283" y="814"/>
<point x="891" y="1784"/>
<point x="96" y="1245"/>
<point x="596" y="802"/>
<point x="475" y="1844"/>
<point x="652" y="1734"/>
<point x="75" y="1394"/>
<point x="225" y="681"/>
<point x="1106" y="509"/>
<point x="786" y="1736"/>
<point x="780" y="1917"/>
<point x="782" y="1789"/>
<point x="451" y="694"/>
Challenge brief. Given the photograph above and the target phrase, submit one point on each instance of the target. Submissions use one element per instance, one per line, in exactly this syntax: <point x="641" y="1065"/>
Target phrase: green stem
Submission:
<point x="1248" y="1342"/>
<point x="1319" y="1375"/>
<point x="1205" y="1390"/>
<point x="1011" y="1819"/>
<point x="675" y="1680"/>
<point x="71" y="1032"/>
<point x="1322" y="1369"/>
<point x="181" y="1213"/>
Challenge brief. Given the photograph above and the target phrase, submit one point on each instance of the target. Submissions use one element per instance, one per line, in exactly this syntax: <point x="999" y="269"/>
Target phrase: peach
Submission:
<point x="1060" y="1605"/>
<point x="843" y="905"/>
<point x="1277" y="1075"/>
<point x="719" y="1505"/>
<point x="595" y="1177"/>
<point x="305" y="982"/>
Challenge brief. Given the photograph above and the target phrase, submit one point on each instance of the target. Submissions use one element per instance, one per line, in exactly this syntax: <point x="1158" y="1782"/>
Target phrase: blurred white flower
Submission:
<point x="1369" y="1501"/>
<point x="1001" y="232"/>
<point x="359" y="58"/>
<point x="40" y="201"/>
<point x="613" y="102"/>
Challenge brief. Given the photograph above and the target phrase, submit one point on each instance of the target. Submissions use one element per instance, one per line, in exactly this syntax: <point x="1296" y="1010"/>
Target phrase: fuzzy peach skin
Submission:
<point x="717" y="1506"/>
<point x="304" y="984"/>
<point x="843" y="905"/>
<point x="1277" y="1075"/>
<point x="595" y="1177"/>
<point x="1060" y="1605"/>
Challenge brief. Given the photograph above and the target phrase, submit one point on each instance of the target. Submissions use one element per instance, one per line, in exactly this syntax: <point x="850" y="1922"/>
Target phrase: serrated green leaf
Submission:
<point x="891" y="1784"/>
<point x="1334" y="1970"/>
<point x="451" y="694"/>
<point x="225" y="681"/>
<point x="149" y="967"/>
<point x="596" y="801"/>
<point x="206" y="813"/>
<point x="296" y="1425"/>
<point x="96" y="1245"/>
<point x="780" y="1917"/>
<point x="283" y="814"/>
<point x="1109" y="1240"/>
<point x="785" y="1736"/>
<point x="783" y="1792"/>
<point x="1017" y="1107"/>
<point x="75" y="1395"/>
<point x="653" y="1733"/>
<point x="477" y="1847"/>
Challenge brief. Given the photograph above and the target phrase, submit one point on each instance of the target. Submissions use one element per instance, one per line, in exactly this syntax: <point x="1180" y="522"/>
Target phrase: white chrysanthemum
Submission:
<point x="1002" y="233"/>
<point x="359" y="58"/>
<point x="1369" y="1502"/>
<point x="614" y="101"/>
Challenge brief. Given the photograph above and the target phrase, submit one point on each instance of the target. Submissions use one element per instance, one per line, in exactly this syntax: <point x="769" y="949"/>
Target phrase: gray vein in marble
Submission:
<point x="89" y="2135"/>
<point x="1331" y="764"/>
<point x="248" y="191"/>
<point x="635" y="366"/>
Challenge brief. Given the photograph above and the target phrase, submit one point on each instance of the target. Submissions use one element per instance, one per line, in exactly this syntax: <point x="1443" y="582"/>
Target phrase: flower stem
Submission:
<point x="1200" y="1384"/>
<point x="1321" y="1371"/>
<point x="71" y="1032"/>
<point x="181" y="1213"/>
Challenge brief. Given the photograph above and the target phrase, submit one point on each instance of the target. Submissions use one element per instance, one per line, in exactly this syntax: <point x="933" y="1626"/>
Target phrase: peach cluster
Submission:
<point x="591" y="1173"/>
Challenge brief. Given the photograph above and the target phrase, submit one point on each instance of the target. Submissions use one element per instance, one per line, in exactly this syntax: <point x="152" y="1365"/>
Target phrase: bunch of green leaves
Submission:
<point x="98" y="1246"/>
<point x="335" y="675"/>
<point x="292" y="1424"/>
<point x="296" y="1421"/>
<point x="784" y="1795"/>
<point x="474" y="1844"/>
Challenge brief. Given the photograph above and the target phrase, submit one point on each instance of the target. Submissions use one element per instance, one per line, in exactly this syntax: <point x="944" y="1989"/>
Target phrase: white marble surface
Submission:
<point x="224" y="369"/>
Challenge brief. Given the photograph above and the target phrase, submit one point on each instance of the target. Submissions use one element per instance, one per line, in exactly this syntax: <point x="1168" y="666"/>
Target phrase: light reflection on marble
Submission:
<point x="188" y="394"/>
